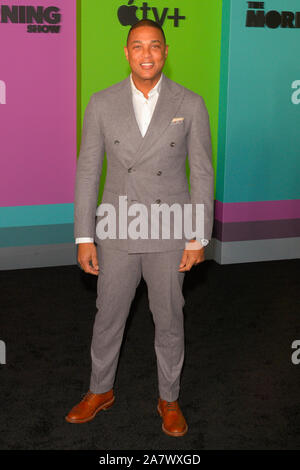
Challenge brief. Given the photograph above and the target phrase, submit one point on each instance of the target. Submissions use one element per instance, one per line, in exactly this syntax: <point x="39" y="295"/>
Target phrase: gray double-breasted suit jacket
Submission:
<point x="149" y="169"/>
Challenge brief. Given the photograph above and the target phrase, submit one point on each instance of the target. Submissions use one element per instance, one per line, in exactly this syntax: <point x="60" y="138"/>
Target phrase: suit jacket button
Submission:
<point x="172" y="144"/>
<point x="129" y="170"/>
<point x="158" y="201"/>
<point x="116" y="142"/>
<point x="158" y="173"/>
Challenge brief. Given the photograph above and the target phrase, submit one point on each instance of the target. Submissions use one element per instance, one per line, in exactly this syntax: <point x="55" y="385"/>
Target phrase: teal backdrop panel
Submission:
<point x="193" y="32"/>
<point x="263" y="107"/>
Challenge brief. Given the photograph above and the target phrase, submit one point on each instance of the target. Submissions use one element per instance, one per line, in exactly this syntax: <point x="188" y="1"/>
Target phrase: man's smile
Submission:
<point x="147" y="65"/>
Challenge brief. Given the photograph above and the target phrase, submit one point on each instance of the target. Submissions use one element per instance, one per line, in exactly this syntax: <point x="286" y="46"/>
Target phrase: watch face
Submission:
<point x="204" y="242"/>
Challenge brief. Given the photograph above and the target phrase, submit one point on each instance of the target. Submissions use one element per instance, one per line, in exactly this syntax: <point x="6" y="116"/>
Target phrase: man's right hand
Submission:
<point x="87" y="252"/>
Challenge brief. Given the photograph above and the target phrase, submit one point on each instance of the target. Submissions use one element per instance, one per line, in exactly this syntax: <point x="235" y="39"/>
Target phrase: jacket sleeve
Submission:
<point x="88" y="171"/>
<point x="201" y="169"/>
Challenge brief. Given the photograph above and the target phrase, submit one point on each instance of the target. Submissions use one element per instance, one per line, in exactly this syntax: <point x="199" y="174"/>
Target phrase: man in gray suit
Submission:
<point x="147" y="125"/>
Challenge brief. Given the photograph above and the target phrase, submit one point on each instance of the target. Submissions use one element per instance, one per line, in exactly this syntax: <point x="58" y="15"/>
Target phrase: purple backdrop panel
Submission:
<point x="37" y="102"/>
<point x="257" y="210"/>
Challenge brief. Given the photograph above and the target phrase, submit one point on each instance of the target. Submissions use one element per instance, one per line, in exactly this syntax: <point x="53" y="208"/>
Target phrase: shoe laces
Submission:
<point x="171" y="406"/>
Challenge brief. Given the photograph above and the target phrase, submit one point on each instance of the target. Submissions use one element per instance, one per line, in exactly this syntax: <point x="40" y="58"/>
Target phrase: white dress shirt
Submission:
<point x="143" y="110"/>
<point x="144" y="107"/>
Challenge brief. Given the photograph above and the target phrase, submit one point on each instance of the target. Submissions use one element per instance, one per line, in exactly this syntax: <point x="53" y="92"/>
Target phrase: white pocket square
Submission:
<point x="177" y="120"/>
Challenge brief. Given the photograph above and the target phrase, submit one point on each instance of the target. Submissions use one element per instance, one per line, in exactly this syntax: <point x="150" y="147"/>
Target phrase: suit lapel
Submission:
<point x="128" y="129"/>
<point x="169" y="100"/>
<point x="167" y="104"/>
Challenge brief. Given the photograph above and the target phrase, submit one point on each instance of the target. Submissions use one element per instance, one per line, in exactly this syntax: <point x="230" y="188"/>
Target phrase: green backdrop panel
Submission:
<point x="194" y="49"/>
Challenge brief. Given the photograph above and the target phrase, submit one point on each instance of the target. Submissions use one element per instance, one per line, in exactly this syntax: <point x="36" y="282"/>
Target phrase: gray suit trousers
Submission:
<point x="119" y="275"/>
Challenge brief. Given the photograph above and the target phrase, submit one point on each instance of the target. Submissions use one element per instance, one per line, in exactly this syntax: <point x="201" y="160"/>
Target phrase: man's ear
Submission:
<point x="126" y="52"/>
<point x="166" y="51"/>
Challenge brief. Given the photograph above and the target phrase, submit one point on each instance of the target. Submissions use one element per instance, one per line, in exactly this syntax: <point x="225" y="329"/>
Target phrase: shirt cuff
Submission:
<point x="196" y="245"/>
<point x="84" y="240"/>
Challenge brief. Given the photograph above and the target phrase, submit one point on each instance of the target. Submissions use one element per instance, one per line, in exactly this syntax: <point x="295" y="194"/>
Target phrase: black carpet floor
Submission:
<point x="239" y="387"/>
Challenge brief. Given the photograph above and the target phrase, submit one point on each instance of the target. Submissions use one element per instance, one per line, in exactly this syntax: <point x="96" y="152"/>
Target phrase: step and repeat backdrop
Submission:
<point x="240" y="56"/>
<point x="258" y="192"/>
<point x="37" y="131"/>
<point x="193" y="33"/>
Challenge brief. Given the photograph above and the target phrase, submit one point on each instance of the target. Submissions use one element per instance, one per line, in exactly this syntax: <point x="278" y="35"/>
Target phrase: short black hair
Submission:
<point x="152" y="23"/>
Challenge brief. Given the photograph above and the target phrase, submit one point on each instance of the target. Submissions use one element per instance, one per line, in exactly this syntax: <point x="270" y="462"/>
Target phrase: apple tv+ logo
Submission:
<point x="127" y="14"/>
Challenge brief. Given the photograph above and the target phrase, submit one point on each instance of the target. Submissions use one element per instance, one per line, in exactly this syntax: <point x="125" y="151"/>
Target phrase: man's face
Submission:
<point x="146" y="53"/>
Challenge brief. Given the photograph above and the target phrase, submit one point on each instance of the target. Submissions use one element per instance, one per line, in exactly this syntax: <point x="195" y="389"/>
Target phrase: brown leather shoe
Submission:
<point x="174" y="423"/>
<point x="89" y="406"/>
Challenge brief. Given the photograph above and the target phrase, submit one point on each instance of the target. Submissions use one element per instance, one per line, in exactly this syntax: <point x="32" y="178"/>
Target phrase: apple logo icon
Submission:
<point x="127" y="14"/>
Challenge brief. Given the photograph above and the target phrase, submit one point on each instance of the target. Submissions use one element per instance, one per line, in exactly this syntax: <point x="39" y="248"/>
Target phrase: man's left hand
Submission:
<point x="191" y="258"/>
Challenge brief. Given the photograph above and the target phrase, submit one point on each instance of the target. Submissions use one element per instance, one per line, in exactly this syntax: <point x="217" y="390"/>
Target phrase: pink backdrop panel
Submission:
<point x="38" y="108"/>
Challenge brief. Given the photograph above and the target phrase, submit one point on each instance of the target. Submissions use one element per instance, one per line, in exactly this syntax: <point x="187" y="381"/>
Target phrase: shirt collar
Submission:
<point x="155" y="89"/>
